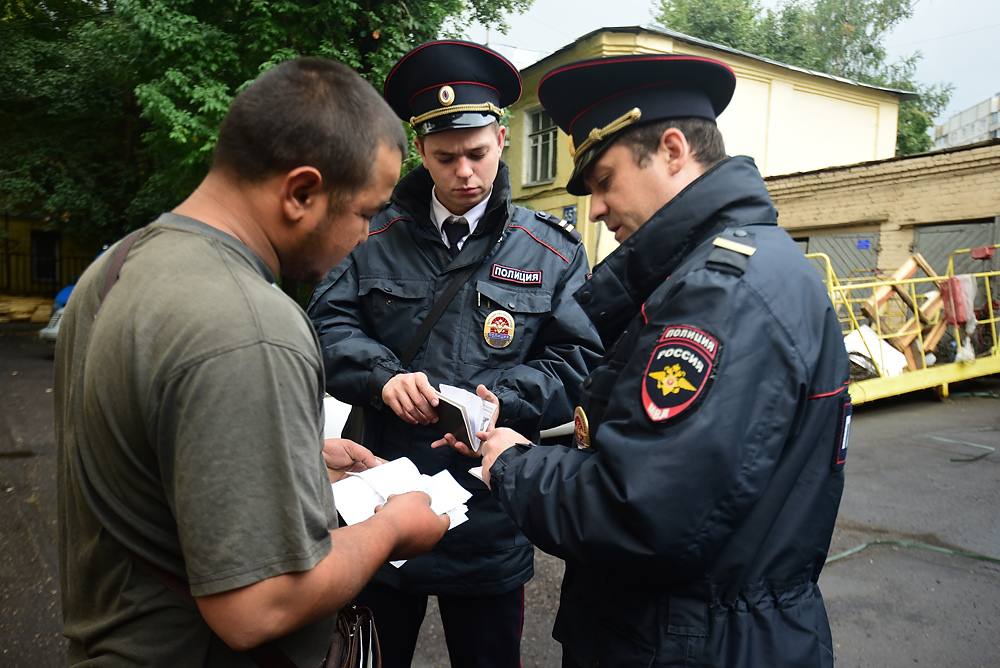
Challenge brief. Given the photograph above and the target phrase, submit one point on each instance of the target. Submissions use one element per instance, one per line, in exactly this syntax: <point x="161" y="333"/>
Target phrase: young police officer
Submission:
<point x="512" y="327"/>
<point x="696" y="514"/>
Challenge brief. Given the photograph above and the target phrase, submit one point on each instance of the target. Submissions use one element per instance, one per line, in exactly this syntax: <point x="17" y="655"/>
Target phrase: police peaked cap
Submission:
<point x="451" y="85"/>
<point x="592" y="100"/>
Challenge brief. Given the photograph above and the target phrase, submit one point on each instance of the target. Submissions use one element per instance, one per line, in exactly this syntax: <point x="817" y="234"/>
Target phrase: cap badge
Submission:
<point x="446" y="96"/>
<point x="499" y="329"/>
<point x="581" y="429"/>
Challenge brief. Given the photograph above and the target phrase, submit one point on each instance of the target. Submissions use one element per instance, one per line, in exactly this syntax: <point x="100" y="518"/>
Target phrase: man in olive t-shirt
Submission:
<point x="189" y="401"/>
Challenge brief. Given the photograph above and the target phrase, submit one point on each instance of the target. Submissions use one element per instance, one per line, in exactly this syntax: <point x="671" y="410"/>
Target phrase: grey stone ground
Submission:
<point x="890" y="606"/>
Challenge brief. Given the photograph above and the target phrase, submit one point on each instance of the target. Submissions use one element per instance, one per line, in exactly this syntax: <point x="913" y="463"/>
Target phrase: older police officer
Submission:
<point x="696" y="513"/>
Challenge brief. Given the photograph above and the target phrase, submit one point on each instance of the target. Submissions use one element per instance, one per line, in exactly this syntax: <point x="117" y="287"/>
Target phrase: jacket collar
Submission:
<point x="730" y="194"/>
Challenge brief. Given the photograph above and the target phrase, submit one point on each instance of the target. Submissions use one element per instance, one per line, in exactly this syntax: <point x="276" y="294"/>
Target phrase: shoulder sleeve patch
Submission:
<point x="565" y="227"/>
<point x="679" y="373"/>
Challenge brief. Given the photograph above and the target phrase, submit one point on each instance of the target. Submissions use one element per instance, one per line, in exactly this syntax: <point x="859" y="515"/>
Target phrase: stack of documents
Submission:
<point x="358" y="494"/>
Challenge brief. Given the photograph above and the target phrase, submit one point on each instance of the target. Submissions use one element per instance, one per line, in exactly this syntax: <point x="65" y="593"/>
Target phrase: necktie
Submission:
<point x="455" y="228"/>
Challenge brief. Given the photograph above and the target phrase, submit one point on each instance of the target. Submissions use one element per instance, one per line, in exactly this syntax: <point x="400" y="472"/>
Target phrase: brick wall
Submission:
<point x="893" y="196"/>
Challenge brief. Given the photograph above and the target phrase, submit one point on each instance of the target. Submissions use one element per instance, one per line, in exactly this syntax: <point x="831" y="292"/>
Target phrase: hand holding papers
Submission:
<point x="358" y="494"/>
<point x="463" y="413"/>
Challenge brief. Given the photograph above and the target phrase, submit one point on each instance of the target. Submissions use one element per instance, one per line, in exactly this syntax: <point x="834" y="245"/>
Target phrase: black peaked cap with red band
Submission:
<point x="597" y="97"/>
<point x="434" y="78"/>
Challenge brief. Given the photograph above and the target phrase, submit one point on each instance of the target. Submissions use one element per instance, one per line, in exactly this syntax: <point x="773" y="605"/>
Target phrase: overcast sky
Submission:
<point x="958" y="38"/>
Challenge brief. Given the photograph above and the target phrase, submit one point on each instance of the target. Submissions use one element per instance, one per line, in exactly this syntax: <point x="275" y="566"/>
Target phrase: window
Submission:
<point x="541" y="147"/>
<point x="44" y="251"/>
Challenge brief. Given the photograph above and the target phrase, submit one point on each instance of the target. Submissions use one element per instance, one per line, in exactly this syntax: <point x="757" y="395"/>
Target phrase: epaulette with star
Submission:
<point x="555" y="221"/>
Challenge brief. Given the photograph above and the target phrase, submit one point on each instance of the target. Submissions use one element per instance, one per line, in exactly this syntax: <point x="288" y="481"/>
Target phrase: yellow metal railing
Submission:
<point x="908" y="315"/>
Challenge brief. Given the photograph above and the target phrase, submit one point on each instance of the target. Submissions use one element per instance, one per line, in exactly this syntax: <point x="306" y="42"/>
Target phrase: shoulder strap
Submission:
<point x="442" y="302"/>
<point x="117" y="260"/>
<point x="563" y="226"/>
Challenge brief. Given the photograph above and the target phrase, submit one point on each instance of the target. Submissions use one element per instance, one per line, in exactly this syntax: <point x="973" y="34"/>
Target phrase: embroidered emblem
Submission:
<point x="680" y="371"/>
<point x="446" y="96"/>
<point x="499" y="329"/>
<point x="581" y="429"/>
<point x="519" y="276"/>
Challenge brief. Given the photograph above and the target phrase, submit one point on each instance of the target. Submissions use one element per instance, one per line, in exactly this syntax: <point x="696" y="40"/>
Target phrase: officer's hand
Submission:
<point x="342" y="455"/>
<point x="411" y="397"/>
<point x="417" y="528"/>
<point x="495" y="442"/>
<point x="465" y="448"/>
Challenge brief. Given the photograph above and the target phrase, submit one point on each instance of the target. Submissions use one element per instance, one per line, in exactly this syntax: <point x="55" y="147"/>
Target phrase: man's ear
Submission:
<point x="420" y="147"/>
<point x="299" y="192"/>
<point x="675" y="149"/>
<point x="501" y="134"/>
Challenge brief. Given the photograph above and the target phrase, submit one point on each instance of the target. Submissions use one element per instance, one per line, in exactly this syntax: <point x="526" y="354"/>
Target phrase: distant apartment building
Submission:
<point x="975" y="124"/>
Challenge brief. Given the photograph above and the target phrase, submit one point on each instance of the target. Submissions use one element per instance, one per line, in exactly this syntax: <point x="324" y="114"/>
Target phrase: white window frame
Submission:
<point x="537" y="142"/>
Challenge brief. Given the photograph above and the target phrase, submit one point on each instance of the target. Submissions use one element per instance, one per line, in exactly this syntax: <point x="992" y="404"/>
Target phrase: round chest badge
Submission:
<point x="446" y="96"/>
<point x="581" y="429"/>
<point x="499" y="329"/>
<point x="680" y="371"/>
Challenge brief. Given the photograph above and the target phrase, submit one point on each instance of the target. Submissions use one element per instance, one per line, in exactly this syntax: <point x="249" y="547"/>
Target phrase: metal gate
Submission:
<point x="853" y="255"/>
<point x="936" y="242"/>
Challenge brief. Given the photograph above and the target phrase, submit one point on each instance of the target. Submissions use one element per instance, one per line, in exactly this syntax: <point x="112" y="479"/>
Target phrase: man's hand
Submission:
<point x="417" y="527"/>
<point x="411" y="397"/>
<point x="343" y="455"/>
<point x="495" y="442"/>
<point x="466" y="448"/>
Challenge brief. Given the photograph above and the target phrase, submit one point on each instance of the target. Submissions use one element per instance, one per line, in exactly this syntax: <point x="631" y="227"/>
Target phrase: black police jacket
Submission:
<point x="368" y="308"/>
<point x="695" y="528"/>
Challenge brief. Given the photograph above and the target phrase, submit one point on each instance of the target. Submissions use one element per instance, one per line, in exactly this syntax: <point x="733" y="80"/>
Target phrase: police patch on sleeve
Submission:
<point x="680" y="370"/>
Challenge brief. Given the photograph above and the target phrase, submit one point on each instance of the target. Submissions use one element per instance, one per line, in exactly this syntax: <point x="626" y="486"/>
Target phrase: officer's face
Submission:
<point x="343" y="224"/>
<point x="622" y="194"/>
<point x="625" y="195"/>
<point x="463" y="164"/>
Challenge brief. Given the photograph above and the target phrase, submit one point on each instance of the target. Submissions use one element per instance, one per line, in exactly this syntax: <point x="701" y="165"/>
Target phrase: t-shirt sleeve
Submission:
<point x="241" y="458"/>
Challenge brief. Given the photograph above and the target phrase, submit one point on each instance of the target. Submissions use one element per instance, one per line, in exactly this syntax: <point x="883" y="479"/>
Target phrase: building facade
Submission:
<point x="788" y="119"/>
<point x="975" y="124"/>
<point x="871" y="217"/>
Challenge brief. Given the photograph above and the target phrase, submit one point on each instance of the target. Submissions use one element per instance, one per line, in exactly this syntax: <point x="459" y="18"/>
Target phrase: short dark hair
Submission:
<point x="702" y="134"/>
<point x="307" y="112"/>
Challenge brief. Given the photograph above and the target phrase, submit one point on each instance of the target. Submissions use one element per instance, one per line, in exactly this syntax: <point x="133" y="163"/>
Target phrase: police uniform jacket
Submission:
<point x="367" y="310"/>
<point x="695" y="528"/>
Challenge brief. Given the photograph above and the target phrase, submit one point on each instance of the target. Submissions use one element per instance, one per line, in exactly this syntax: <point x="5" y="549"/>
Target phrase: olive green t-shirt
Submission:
<point x="189" y="429"/>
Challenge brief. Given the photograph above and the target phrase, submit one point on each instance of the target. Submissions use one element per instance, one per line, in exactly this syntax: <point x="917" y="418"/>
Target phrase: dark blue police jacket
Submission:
<point x="695" y="528"/>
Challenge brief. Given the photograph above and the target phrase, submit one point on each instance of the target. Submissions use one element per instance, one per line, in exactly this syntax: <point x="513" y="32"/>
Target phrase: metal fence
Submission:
<point x="24" y="274"/>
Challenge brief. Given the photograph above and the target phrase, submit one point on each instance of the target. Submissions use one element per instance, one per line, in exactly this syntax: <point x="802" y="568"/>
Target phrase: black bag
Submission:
<point x="355" y="640"/>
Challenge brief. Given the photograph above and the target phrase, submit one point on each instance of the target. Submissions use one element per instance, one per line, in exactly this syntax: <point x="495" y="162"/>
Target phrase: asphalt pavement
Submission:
<point x="921" y="509"/>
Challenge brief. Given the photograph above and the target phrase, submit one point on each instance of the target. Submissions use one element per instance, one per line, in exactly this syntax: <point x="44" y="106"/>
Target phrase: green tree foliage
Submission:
<point x="110" y="108"/>
<point x="840" y="37"/>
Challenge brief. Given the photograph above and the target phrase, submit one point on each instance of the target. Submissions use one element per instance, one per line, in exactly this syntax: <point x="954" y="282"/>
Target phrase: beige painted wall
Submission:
<point x="787" y="119"/>
<point x="894" y="197"/>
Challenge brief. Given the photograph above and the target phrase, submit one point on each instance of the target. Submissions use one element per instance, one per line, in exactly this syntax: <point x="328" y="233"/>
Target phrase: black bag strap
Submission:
<point x="267" y="655"/>
<point x="444" y="299"/>
<point x="117" y="260"/>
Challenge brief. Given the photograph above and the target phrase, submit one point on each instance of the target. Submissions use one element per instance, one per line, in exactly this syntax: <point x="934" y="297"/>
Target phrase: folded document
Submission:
<point x="358" y="494"/>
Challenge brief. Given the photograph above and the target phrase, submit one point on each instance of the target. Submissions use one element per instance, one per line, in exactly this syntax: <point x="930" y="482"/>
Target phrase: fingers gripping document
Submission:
<point x="358" y="494"/>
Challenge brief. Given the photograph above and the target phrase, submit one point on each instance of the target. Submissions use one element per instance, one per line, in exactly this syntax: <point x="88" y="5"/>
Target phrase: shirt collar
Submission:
<point x="473" y="215"/>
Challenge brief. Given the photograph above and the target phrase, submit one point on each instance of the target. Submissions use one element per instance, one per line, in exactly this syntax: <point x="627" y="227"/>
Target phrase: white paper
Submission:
<point x="480" y="412"/>
<point x="357" y="495"/>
